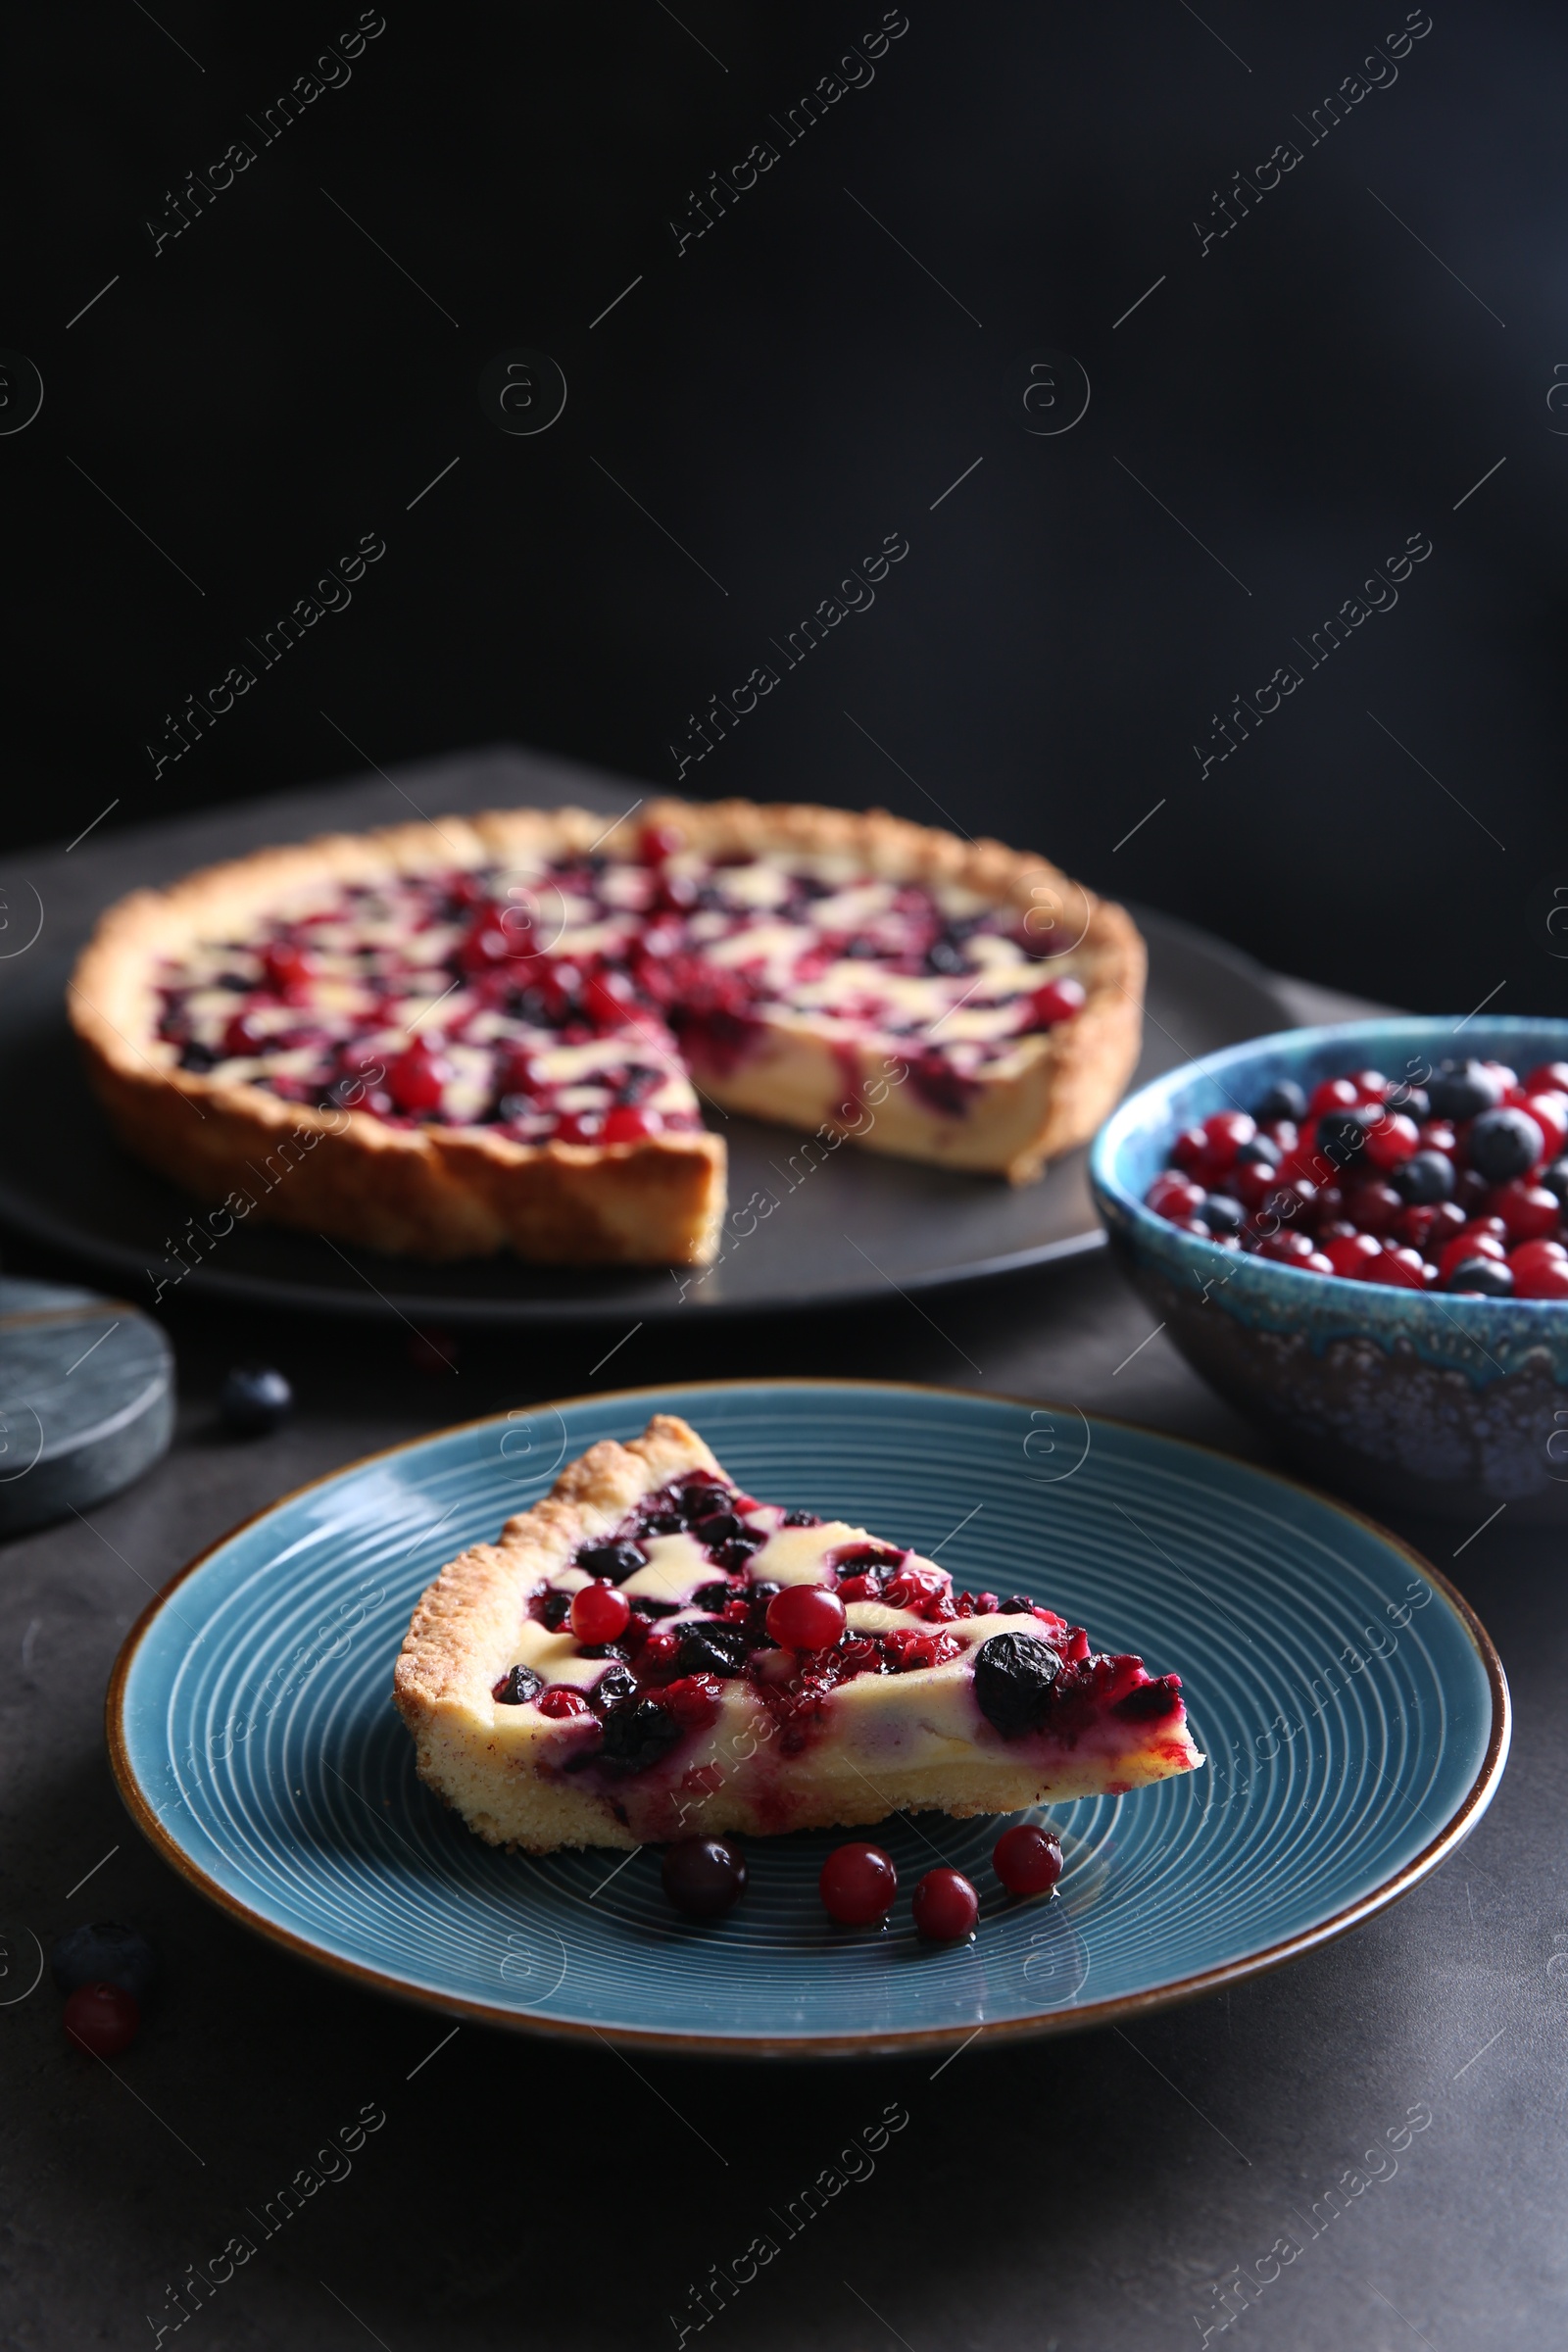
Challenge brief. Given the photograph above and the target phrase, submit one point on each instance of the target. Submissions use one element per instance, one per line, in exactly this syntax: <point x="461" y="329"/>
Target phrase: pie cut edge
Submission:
<point x="448" y="1192"/>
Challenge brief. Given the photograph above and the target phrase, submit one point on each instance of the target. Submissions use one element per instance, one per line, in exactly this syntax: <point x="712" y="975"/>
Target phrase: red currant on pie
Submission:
<point x="805" y="1617"/>
<point x="600" y="1613"/>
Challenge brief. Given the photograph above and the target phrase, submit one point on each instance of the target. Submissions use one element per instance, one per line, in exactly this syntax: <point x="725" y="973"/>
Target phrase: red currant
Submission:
<point x="1027" y="1859"/>
<point x="693" y="1701"/>
<point x="1057" y="1001"/>
<point x="946" y="1906"/>
<point x="1551" y="1115"/>
<point x="1536" y="1253"/>
<point x="1351" y="1254"/>
<point x="1227" y="1131"/>
<point x="1333" y="1093"/>
<point x="289" y="971"/>
<point x="1548" y="1078"/>
<point x="1528" y="1211"/>
<point x="102" y="2019"/>
<point x="657" y="843"/>
<point x="1173" y="1195"/>
<point x="625" y="1123"/>
<point x="1392" y="1140"/>
<point x="1370" y="1086"/>
<point x="1401" y="1269"/>
<point x="599" y="1612"/>
<point x="1547" y="1278"/>
<point x="415" y="1080"/>
<point x="1471" y="1243"/>
<point x="805" y="1617"/>
<point x="1373" y="1206"/>
<point x="561" y="1700"/>
<point x="858" y="1885"/>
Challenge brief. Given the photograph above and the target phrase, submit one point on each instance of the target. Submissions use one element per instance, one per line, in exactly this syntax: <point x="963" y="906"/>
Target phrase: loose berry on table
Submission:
<point x="104" y="1953"/>
<point x="254" y="1400"/>
<point x="102" y="2019"/>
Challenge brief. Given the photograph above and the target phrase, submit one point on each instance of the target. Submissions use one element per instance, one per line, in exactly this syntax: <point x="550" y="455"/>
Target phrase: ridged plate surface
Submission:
<point x="1353" y="1711"/>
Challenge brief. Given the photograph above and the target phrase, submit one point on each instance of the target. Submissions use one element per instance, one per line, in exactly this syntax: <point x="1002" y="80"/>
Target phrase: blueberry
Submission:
<point x="637" y="1734"/>
<point x="616" y="1562"/>
<point x="253" y="1401"/>
<point x="1425" y="1177"/>
<point x="1486" y="1275"/>
<point x="1413" y="1101"/>
<point x="516" y="1686"/>
<point x="1016" y="1604"/>
<point x="1284" y="1101"/>
<point x="551" y="1610"/>
<point x="1342" y="1134"/>
<point x="1261" y="1151"/>
<point x="615" y="1684"/>
<point x="1222" y="1214"/>
<point x="712" y="1596"/>
<point x="1461" y="1090"/>
<point x="105" y="1953"/>
<point x="1555" y="1179"/>
<point x="1012" y="1678"/>
<point x="719" y="1527"/>
<point x="645" y="1605"/>
<point x="802" y="1519"/>
<point x="718" y="1649"/>
<point x="1503" y="1144"/>
<point x="734" y="1555"/>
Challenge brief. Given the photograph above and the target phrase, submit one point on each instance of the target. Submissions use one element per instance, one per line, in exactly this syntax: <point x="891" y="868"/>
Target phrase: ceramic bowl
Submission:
<point x="1401" y="1399"/>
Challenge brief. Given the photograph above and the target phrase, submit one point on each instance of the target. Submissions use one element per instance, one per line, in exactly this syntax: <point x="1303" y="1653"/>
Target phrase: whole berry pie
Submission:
<point x="449" y="1039"/>
<point x="650" y="1655"/>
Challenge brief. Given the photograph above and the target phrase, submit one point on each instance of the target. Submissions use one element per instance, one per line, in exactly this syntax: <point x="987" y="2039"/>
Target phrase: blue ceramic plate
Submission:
<point x="1353" y="1712"/>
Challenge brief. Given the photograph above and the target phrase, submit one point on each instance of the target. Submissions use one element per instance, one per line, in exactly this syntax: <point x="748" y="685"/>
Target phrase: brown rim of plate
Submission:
<point x="917" y="2041"/>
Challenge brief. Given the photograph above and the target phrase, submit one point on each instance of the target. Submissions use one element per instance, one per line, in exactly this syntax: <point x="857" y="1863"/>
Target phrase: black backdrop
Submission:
<point x="982" y="192"/>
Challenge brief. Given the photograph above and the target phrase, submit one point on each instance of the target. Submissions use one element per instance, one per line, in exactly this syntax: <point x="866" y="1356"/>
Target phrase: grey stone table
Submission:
<point x="1081" y="2195"/>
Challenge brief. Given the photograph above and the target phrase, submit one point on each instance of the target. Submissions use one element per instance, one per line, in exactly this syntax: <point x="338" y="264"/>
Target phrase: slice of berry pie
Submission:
<point x="454" y="1038"/>
<point x="650" y="1654"/>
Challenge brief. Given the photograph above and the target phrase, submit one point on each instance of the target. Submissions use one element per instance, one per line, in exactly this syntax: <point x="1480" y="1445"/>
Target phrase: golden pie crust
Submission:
<point x="457" y="1192"/>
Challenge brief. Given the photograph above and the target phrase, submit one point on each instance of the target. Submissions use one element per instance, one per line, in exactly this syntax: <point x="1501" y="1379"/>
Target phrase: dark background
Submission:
<point x="1304" y="396"/>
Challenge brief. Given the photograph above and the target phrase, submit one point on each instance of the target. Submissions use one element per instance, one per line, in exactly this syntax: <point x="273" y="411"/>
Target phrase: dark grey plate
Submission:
<point x="803" y="1230"/>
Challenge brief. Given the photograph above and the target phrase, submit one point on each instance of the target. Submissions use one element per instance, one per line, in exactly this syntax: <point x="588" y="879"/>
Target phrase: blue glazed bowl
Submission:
<point x="1401" y="1399"/>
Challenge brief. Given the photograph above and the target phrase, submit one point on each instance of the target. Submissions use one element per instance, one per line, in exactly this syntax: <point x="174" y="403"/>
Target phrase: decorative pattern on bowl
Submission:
<point x="1404" y="1398"/>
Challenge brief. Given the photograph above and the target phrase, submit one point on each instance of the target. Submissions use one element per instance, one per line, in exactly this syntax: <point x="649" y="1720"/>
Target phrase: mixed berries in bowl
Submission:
<point x="1357" y="1233"/>
<point x="1459" y="1184"/>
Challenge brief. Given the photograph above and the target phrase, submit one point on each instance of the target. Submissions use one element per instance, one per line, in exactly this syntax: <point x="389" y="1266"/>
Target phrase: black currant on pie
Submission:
<point x="650" y="1654"/>
<point x="448" y="1039"/>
